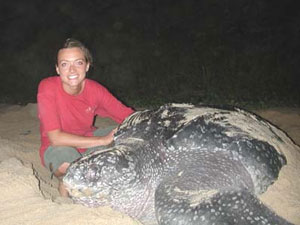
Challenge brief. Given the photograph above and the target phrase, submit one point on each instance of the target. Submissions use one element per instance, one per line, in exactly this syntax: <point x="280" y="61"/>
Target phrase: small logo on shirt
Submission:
<point x="90" y="109"/>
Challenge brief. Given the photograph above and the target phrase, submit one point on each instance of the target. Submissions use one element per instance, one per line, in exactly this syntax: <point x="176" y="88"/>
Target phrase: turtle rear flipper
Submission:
<point x="174" y="205"/>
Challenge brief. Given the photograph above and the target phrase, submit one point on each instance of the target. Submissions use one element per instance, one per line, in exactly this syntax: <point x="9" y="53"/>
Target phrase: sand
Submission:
<point x="29" y="195"/>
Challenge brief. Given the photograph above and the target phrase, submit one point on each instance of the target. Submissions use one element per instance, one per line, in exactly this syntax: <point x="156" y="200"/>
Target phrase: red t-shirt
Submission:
<point x="74" y="114"/>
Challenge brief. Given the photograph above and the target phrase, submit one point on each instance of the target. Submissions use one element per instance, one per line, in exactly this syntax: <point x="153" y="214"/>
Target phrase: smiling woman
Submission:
<point x="67" y="105"/>
<point x="72" y="67"/>
<point x="73" y="62"/>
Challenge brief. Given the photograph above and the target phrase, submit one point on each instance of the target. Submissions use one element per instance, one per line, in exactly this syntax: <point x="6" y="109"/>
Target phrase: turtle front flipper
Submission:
<point x="175" y="204"/>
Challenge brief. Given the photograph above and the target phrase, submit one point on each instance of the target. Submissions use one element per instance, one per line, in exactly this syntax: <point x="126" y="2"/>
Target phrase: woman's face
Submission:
<point x="72" y="67"/>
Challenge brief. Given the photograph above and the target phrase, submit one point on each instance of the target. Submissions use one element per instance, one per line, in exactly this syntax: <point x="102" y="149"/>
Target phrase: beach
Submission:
<point x="30" y="196"/>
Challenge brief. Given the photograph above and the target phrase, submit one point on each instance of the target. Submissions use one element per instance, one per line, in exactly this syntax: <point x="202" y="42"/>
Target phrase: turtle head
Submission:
<point x="98" y="178"/>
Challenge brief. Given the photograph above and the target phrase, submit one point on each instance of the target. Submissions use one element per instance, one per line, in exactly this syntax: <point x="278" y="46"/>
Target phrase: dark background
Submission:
<point x="147" y="52"/>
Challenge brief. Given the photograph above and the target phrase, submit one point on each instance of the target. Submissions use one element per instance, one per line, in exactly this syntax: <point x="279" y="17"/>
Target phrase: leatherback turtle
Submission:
<point x="184" y="164"/>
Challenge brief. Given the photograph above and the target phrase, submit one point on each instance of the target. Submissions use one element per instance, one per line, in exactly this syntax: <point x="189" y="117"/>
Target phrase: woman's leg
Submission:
<point x="57" y="160"/>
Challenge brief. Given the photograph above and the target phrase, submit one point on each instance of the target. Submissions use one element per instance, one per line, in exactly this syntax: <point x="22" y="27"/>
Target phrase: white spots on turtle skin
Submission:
<point x="180" y="174"/>
<point x="172" y="148"/>
<point x="195" y="217"/>
<point x="164" y="114"/>
<point x="166" y="123"/>
<point x="112" y="160"/>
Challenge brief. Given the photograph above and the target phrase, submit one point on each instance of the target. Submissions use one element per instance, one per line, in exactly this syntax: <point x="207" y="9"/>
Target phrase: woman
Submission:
<point x="67" y="105"/>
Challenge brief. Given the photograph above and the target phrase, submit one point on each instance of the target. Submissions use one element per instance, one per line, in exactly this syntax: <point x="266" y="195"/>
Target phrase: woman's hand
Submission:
<point x="108" y="139"/>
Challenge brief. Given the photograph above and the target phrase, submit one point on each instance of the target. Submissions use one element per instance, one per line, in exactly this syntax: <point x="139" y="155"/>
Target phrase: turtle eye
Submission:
<point x="93" y="173"/>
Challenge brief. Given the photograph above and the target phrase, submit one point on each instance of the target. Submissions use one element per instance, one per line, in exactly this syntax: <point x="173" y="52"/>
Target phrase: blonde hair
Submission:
<point x="73" y="43"/>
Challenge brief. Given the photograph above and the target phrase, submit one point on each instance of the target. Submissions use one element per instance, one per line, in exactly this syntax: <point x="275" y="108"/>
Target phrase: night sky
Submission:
<point x="152" y="51"/>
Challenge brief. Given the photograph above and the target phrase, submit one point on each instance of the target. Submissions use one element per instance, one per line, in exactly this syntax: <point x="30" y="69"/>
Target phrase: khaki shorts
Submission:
<point x="55" y="156"/>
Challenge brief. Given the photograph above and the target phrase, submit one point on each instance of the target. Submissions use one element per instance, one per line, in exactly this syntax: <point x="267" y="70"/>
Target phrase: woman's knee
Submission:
<point x="62" y="169"/>
<point x="58" y="159"/>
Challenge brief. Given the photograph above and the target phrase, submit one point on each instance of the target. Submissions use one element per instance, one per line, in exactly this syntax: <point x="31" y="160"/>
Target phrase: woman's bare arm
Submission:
<point x="60" y="138"/>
